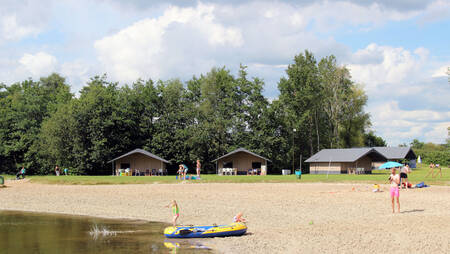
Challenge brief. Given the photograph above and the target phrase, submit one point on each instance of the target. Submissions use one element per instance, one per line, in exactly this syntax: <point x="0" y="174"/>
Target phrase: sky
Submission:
<point x="398" y="51"/>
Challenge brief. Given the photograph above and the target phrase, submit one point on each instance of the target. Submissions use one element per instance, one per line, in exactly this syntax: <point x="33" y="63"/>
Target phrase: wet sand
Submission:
<point x="282" y="217"/>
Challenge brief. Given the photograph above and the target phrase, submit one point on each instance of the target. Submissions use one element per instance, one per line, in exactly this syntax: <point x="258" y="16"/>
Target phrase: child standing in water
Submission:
<point x="175" y="211"/>
<point x="394" y="180"/>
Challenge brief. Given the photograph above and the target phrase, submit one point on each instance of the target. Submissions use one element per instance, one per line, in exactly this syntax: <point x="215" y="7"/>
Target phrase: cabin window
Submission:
<point x="228" y="164"/>
<point x="124" y="165"/>
<point x="256" y="164"/>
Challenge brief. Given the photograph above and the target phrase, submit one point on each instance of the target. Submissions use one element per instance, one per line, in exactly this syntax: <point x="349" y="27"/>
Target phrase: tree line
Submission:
<point x="43" y="124"/>
<point x="432" y="153"/>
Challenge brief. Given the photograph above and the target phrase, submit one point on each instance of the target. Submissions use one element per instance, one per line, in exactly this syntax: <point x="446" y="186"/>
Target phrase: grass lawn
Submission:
<point x="378" y="176"/>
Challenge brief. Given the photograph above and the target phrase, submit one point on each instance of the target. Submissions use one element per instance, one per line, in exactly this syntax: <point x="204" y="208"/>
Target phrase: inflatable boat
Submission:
<point x="233" y="229"/>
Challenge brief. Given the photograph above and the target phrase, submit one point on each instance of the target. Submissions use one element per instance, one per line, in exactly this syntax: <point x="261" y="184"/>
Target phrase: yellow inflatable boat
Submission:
<point x="233" y="229"/>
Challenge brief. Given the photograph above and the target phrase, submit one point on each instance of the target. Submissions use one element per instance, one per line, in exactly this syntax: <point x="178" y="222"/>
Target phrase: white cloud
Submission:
<point x="437" y="10"/>
<point x="335" y="14"/>
<point x="189" y="40"/>
<point x="405" y="101"/>
<point x="391" y="111"/>
<point x="397" y="125"/>
<point x="379" y="65"/>
<point x="155" y="47"/>
<point x="39" y="64"/>
<point x="22" y="18"/>
<point x="443" y="71"/>
<point x="10" y="29"/>
<point x="438" y="133"/>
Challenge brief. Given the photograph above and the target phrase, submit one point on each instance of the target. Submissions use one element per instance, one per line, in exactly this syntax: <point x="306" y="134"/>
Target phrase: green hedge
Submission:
<point x="436" y="157"/>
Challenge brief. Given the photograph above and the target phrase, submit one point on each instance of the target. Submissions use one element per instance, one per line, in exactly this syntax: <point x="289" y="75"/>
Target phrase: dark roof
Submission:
<point x="396" y="153"/>
<point x="142" y="152"/>
<point x="342" y="155"/>
<point x="241" y="150"/>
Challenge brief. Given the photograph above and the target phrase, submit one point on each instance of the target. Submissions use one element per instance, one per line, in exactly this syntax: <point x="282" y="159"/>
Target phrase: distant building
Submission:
<point x="356" y="160"/>
<point x="140" y="161"/>
<point x="397" y="154"/>
<point x="241" y="161"/>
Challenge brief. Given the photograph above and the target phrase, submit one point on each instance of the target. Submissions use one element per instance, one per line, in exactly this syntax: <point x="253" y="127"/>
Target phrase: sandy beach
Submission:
<point x="282" y="218"/>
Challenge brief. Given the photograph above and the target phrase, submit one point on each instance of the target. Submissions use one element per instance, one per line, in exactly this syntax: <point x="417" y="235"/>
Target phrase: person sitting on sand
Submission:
<point x="175" y="211"/>
<point x="239" y="218"/>
<point x="394" y="180"/>
<point x="376" y="188"/>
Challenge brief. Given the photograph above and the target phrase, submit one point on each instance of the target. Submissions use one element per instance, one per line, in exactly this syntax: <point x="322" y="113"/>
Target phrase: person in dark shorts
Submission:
<point x="404" y="175"/>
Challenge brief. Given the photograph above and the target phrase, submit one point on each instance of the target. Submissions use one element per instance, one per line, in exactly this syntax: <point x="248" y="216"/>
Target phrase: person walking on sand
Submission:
<point x="175" y="211"/>
<point x="394" y="180"/>
<point x="198" y="168"/>
<point x="57" y="171"/>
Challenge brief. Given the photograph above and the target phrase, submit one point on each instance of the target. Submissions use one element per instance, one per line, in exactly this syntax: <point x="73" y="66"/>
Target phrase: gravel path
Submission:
<point x="282" y="217"/>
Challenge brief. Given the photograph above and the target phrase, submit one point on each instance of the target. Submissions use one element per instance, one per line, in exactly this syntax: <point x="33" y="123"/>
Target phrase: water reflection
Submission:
<point x="176" y="245"/>
<point x="23" y="232"/>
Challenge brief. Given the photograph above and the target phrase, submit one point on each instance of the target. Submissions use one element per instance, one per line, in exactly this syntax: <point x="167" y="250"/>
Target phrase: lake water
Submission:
<point x="24" y="232"/>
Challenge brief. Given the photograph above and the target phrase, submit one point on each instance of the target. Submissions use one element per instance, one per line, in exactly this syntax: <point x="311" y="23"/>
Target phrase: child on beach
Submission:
<point x="376" y="188"/>
<point x="175" y="211"/>
<point x="394" y="180"/>
<point x="239" y="218"/>
<point x="180" y="171"/>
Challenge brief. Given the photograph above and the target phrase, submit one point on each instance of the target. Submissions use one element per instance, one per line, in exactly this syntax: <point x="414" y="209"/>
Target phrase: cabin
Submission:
<point x="241" y="162"/>
<point x="344" y="161"/>
<point x="138" y="163"/>
<point x="399" y="154"/>
<point x="357" y="160"/>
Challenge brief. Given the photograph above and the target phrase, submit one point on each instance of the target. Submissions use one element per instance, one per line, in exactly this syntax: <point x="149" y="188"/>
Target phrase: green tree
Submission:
<point x="416" y="144"/>
<point x="171" y="136"/>
<point x="372" y="140"/>
<point x="337" y="86"/>
<point x="354" y="120"/>
<point x="24" y="106"/>
<point x="300" y="94"/>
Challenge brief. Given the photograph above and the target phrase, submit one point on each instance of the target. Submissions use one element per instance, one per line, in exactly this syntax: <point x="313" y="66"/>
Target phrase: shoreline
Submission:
<point x="282" y="217"/>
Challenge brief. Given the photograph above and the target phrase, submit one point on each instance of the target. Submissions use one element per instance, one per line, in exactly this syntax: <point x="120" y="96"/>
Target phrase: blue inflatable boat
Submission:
<point x="233" y="229"/>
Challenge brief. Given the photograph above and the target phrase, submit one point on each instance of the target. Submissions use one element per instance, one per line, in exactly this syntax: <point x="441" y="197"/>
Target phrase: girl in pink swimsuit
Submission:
<point x="394" y="180"/>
